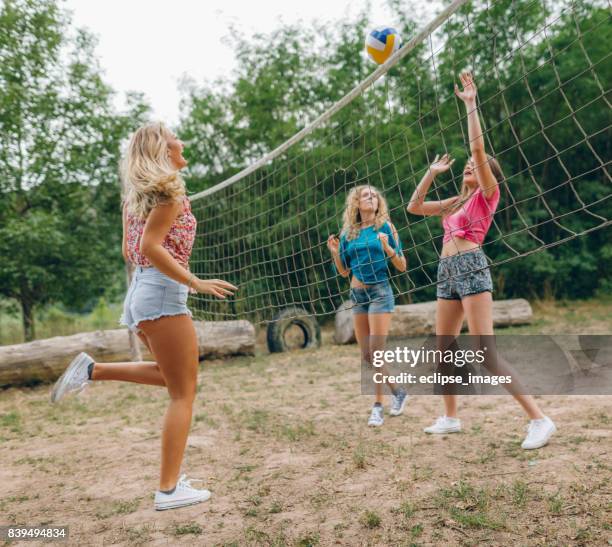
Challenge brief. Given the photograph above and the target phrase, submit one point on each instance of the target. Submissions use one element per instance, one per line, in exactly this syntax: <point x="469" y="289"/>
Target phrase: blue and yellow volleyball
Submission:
<point x="381" y="43"/>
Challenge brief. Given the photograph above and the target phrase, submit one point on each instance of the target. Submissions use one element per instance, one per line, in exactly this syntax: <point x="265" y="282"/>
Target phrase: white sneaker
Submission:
<point x="184" y="494"/>
<point x="398" y="402"/>
<point x="538" y="433"/>
<point x="376" y="417"/>
<point x="75" y="377"/>
<point x="444" y="424"/>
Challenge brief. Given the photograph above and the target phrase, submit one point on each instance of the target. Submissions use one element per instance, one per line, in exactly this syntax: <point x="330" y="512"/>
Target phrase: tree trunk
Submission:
<point x="27" y="314"/>
<point x="419" y="319"/>
<point x="44" y="360"/>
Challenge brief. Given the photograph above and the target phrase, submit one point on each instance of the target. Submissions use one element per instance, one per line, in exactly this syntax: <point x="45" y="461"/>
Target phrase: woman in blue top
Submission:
<point x="368" y="241"/>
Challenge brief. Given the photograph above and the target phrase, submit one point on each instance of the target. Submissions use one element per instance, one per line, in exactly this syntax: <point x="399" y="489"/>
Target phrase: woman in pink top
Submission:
<point x="464" y="281"/>
<point x="158" y="234"/>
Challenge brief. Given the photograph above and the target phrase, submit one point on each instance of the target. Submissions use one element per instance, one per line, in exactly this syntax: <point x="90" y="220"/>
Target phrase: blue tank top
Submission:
<point x="365" y="256"/>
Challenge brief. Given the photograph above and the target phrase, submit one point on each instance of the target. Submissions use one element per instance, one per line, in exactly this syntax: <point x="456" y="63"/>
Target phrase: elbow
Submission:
<point x="147" y="249"/>
<point x="477" y="147"/>
<point x="411" y="208"/>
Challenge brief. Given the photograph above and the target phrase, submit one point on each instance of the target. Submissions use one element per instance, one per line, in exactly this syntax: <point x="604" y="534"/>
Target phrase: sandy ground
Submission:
<point x="282" y="442"/>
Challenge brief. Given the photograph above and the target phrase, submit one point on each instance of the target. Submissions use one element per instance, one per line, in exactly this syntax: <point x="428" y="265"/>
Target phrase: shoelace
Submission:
<point x="534" y="427"/>
<point x="184" y="481"/>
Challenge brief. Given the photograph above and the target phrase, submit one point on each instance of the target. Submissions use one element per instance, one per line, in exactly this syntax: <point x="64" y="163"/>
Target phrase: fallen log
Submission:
<point x="420" y="319"/>
<point x="44" y="360"/>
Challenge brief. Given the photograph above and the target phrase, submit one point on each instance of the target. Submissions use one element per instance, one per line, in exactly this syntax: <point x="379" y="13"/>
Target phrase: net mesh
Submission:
<point x="545" y="112"/>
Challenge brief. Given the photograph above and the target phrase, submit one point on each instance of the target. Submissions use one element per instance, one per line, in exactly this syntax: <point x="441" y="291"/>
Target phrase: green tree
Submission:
<point x="60" y="216"/>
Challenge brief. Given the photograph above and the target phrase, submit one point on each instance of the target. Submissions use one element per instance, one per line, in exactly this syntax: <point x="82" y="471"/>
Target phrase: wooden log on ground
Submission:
<point x="44" y="360"/>
<point x="420" y="319"/>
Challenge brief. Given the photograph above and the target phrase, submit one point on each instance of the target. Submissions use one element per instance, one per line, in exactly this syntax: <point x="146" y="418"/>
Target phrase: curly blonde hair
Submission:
<point x="148" y="175"/>
<point x="351" y="217"/>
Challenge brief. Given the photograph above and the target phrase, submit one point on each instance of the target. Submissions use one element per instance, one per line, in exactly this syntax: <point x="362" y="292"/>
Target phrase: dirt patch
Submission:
<point x="282" y="442"/>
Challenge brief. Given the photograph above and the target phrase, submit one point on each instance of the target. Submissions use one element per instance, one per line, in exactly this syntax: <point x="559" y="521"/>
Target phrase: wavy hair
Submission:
<point x="148" y="175"/>
<point x="351" y="217"/>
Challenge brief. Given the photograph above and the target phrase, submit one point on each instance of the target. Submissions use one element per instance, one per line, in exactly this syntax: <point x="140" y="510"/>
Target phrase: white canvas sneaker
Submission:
<point x="538" y="433"/>
<point x="398" y="402"/>
<point x="443" y="425"/>
<point x="184" y="494"/>
<point x="75" y="377"/>
<point x="376" y="416"/>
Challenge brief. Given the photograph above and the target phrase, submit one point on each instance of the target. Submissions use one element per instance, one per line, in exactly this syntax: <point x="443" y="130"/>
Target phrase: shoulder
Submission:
<point x="388" y="228"/>
<point x="166" y="211"/>
<point x="493" y="193"/>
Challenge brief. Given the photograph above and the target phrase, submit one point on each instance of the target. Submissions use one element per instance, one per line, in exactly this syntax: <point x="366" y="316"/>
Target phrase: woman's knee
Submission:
<point x="187" y="394"/>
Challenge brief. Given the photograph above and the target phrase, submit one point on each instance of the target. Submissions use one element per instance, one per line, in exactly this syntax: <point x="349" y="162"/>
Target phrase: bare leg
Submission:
<point x="144" y="372"/>
<point x="174" y="344"/>
<point x="479" y="309"/>
<point x="449" y="318"/>
<point x="379" y="329"/>
<point x="362" y="333"/>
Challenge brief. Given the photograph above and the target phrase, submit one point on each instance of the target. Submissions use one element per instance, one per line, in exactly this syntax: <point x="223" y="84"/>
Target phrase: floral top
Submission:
<point x="178" y="241"/>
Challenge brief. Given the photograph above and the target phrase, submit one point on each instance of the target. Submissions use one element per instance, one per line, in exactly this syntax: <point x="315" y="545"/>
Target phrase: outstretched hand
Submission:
<point x="468" y="95"/>
<point x="440" y="165"/>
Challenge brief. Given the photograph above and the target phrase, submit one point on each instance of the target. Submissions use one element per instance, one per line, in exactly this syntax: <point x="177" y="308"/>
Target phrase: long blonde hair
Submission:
<point x="148" y="175"/>
<point x="351" y="218"/>
<point x="466" y="192"/>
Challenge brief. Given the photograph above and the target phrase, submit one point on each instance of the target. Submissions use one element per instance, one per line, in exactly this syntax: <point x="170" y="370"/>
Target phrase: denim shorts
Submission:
<point x="377" y="298"/>
<point x="151" y="295"/>
<point x="463" y="274"/>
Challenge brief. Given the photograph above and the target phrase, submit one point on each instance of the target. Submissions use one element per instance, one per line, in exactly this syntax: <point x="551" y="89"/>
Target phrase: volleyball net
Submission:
<point x="545" y="113"/>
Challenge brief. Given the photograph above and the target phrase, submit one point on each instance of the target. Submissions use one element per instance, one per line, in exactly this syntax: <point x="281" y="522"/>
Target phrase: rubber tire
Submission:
<point x="286" y="318"/>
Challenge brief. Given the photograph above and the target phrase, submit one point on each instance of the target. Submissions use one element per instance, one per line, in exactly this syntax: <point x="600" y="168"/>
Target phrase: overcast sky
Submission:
<point x="148" y="45"/>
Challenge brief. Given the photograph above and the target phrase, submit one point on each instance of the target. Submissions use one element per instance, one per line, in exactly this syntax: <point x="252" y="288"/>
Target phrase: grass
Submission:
<point x="121" y="507"/>
<point x="371" y="519"/>
<point x="188" y="528"/>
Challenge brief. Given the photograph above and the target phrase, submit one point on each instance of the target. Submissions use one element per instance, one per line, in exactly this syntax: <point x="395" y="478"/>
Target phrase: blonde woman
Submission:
<point x="369" y="241"/>
<point x="464" y="280"/>
<point x="158" y="234"/>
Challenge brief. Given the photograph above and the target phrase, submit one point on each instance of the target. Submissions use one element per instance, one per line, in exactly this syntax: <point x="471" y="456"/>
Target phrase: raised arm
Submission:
<point x="417" y="204"/>
<point x="482" y="170"/>
<point x="333" y="244"/>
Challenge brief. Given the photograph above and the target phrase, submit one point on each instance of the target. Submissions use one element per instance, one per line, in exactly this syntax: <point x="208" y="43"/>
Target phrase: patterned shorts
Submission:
<point x="463" y="274"/>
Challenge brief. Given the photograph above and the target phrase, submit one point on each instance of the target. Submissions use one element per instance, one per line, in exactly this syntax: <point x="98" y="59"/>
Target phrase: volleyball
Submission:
<point x="381" y="43"/>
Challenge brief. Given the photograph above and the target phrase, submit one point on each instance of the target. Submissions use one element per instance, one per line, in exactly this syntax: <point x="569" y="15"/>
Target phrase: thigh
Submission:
<point x="479" y="312"/>
<point x="379" y="323"/>
<point x="379" y="328"/>
<point x="362" y="332"/>
<point x="174" y="344"/>
<point x="449" y="317"/>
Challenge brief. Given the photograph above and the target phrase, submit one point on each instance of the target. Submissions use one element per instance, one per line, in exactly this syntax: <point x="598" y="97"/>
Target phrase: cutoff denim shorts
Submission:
<point x="377" y="298"/>
<point x="151" y="295"/>
<point x="463" y="274"/>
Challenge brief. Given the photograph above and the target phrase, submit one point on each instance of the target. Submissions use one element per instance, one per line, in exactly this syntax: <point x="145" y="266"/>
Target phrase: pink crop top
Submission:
<point x="178" y="241"/>
<point x="473" y="219"/>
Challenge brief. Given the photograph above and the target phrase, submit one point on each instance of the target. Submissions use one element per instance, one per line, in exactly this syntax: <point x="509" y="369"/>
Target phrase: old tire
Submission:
<point x="289" y="318"/>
